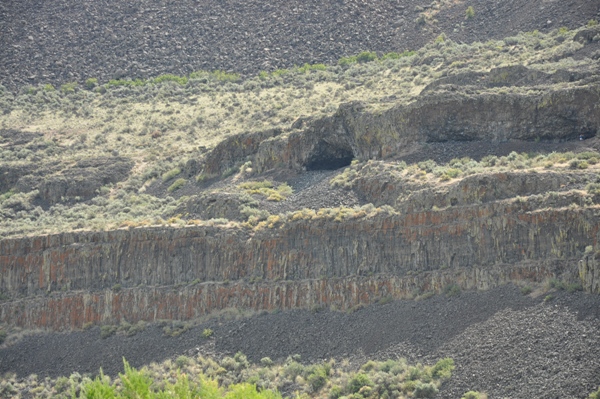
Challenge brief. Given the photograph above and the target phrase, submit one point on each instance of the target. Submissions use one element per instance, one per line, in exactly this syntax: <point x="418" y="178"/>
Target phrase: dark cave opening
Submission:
<point x="329" y="157"/>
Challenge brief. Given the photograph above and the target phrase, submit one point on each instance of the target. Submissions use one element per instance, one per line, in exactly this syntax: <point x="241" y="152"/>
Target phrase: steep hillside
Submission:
<point x="441" y="202"/>
<point x="63" y="41"/>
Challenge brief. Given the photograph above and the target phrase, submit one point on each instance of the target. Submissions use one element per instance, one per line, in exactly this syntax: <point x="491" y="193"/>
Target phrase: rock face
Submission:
<point x="301" y="264"/>
<point x="472" y="233"/>
<point x="332" y="142"/>
<point x="216" y="205"/>
<point x="56" y="183"/>
<point x="84" y="179"/>
<point x="589" y="272"/>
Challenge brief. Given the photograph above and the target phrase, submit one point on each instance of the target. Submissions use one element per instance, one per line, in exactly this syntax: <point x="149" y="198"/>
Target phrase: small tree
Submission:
<point x="470" y="13"/>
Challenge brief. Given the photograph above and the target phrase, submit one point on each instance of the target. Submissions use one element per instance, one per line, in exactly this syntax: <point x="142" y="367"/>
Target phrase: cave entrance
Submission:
<point x="329" y="157"/>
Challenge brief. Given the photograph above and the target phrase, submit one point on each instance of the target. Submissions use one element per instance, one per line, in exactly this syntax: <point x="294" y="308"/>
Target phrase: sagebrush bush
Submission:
<point x="177" y="184"/>
<point x="474" y="395"/>
<point x="171" y="174"/>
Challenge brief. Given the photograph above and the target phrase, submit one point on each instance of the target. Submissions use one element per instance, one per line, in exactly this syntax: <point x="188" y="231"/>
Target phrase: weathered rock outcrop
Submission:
<point x="230" y="153"/>
<point x="56" y="182"/>
<point x="80" y="181"/>
<point x="555" y="114"/>
<point x="479" y="189"/>
<point x="216" y="205"/>
<point x="589" y="272"/>
<point x="59" y="311"/>
<point x="486" y="245"/>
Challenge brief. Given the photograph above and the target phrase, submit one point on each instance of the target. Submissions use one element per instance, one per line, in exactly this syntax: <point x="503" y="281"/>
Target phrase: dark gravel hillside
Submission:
<point x="503" y="343"/>
<point x="59" y="41"/>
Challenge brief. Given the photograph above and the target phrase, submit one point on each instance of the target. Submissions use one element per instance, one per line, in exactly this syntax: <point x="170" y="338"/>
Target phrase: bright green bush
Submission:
<point x="181" y="80"/>
<point x="138" y="384"/>
<point x="474" y="395"/>
<point x="171" y="174"/>
<point x="177" y="184"/>
<point x="442" y="369"/>
<point x="223" y="76"/>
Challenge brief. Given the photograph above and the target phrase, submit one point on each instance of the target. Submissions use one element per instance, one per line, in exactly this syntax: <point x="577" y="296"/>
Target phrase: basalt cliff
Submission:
<point x="412" y="229"/>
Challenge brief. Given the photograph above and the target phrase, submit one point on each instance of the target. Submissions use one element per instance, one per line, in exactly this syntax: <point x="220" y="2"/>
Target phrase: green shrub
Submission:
<point x="223" y="76"/>
<point x="308" y="67"/>
<point x="68" y="87"/>
<point x="413" y="374"/>
<point x="266" y="362"/>
<point x="586" y="155"/>
<point x="425" y="390"/>
<point x="335" y="392"/>
<point x="48" y="87"/>
<point x="452" y="290"/>
<point x="293" y="369"/>
<point x="317" y="380"/>
<point x="91" y="83"/>
<point x="593" y="188"/>
<point x="572" y="287"/>
<point x="280" y="72"/>
<point x="357" y="382"/>
<point x="470" y="12"/>
<point x="126" y="82"/>
<point x="61" y="384"/>
<point x="176" y="328"/>
<point x="442" y="369"/>
<point x="99" y="388"/>
<point x="107" y="331"/>
<point x="181" y="80"/>
<point x="394" y="56"/>
<point x="578" y="164"/>
<point x="177" y="184"/>
<point x="557" y="284"/>
<point x="366" y="56"/>
<point x="266" y="188"/>
<point x="347" y="61"/>
<point x="171" y="174"/>
<point x="526" y="290"/>
<point x="131" y="329"/>
<point x="474" y="395"/>
<point x="207" y="333"/>
<point x="592" y="22"/>
<point x="183" y="361"/>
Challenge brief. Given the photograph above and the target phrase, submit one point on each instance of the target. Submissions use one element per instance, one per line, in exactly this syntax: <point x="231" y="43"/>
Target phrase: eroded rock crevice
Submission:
<point x="329" y="157"/>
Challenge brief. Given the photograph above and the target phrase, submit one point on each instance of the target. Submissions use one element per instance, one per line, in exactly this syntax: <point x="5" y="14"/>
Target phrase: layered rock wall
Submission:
<point x="558" y="114"/>
<point x="487" y="245"/>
